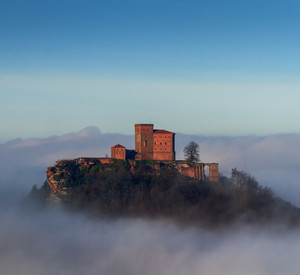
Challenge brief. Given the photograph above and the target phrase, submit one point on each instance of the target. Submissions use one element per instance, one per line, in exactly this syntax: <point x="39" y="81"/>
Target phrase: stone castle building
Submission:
<point x="158" y="145"/>
<point x="118" y="152"/>
<point x="153" y="144"/>
<point x="150" y="144"/>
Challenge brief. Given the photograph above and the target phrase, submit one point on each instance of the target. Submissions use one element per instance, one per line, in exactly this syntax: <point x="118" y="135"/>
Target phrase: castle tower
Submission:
<point x="118" y="152"/>
<point x="144" y="141"/>
<point x="163" y="148"/>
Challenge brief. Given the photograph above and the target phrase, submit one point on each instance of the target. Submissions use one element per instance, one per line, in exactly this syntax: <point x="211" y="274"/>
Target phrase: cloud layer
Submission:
<point x="54" y="242"/>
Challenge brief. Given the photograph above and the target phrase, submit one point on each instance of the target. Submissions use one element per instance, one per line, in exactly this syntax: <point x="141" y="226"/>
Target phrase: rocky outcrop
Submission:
<point x="57" y="176"/>
<point x="66" y="174"/>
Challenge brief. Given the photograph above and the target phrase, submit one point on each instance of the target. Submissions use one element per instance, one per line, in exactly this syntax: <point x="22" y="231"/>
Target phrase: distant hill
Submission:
<point x="115" y="190"/>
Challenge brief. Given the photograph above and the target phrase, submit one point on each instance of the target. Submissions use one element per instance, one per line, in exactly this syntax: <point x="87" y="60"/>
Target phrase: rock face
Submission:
<point x="66" y="174"/>
<point x="57" y="176"/>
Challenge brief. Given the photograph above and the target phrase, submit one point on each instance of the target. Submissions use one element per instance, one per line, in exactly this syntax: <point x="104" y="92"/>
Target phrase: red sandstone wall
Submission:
<point x="144" y="141"/>
<point x="213" y="172"/>
<point x="118" y="152"/>
<point x="188" y="171"/>
<point x="153" y="144"/>
<point x="105" y="160"/>
<point x="163" y="147"/>
<point x="87" y="162"/>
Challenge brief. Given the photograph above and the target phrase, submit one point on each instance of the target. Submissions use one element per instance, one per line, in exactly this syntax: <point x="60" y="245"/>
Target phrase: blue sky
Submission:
<point x="199" y="67"/>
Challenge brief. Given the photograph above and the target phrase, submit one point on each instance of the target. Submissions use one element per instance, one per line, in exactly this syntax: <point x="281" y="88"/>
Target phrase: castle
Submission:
<point x="158" y="145"/>
<point x="150" y="144"/>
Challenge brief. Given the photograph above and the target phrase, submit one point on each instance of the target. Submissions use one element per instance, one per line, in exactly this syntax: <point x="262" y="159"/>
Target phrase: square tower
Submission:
<point x="118" y="152"/>
<point x="144" y="141"/>
<point x="163" y="147"/>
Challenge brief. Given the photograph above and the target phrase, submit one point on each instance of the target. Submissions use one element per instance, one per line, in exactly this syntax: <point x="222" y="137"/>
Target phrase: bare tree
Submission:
<point x="191" y="152"/>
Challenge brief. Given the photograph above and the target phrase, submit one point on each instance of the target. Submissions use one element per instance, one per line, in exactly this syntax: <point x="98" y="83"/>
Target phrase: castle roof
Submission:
<point x="118" y="146"/>
<point x="143" y="124"/>
<point x="162" y="132"/>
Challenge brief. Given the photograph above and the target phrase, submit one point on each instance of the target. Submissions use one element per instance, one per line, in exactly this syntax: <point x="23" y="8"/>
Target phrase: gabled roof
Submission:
<point x="118" y="146"/>
<point x="162" y="132"/>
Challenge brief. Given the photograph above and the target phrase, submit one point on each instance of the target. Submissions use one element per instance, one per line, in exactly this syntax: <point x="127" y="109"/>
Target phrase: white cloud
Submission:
<point x="54" y="242"/>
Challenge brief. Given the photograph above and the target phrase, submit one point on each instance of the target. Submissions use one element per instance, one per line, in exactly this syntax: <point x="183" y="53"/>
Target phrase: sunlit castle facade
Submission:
<point x="153" y="144"/>
<point x="150" y="144"/>
<point x="158" y="145"/>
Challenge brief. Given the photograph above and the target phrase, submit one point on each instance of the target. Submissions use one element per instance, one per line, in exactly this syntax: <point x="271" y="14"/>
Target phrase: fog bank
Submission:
<point x="54" y="242"/>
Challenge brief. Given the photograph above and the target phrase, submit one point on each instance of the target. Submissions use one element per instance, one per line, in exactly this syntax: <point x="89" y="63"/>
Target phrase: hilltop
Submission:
<point x="116" y="190"/>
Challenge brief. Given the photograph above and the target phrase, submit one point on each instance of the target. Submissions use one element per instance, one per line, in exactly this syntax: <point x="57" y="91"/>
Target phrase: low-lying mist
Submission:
<point x="55" y="242"/>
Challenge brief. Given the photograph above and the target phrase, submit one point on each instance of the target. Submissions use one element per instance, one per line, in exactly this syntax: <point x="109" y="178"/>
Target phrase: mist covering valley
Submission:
<point x="53" y="241"/>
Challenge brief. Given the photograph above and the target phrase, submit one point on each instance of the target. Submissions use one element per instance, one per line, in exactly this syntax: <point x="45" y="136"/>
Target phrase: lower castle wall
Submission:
<point x="196" y="171"/>
<point x="163" y="156"/>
